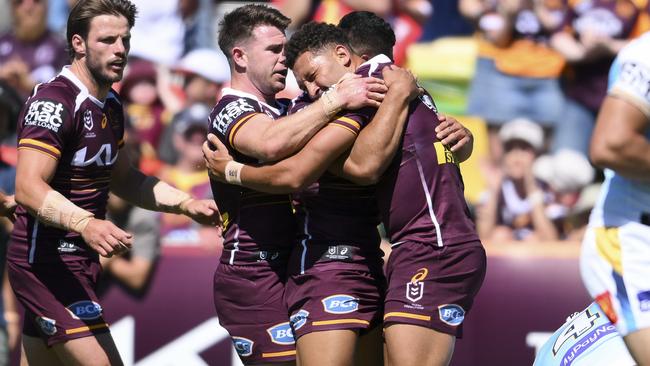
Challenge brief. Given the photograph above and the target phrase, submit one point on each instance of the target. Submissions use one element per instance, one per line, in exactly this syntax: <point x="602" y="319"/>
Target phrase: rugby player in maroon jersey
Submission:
<point x="69" y="135"/>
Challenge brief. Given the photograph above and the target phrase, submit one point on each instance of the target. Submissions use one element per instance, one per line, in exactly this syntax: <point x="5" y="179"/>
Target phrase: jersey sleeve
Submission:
<point x="44" y="124"/>
<point x="630" y="78"/>
<point x="230" y="115"/>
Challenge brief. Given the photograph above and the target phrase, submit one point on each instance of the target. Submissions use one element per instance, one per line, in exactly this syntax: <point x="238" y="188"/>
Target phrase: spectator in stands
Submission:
<point x="145" y="110"/>
<point x="205" y="72"/>
<point x="158" y="34"/>
<point x="589" y="37"/>
<point x="29" y="52"/>
<point x="189" y="174"/>
<point x="517" y="73"/>
<point x="515" y="206"/>
<point x="198" y="18"/>
<point x="568" y="173"/>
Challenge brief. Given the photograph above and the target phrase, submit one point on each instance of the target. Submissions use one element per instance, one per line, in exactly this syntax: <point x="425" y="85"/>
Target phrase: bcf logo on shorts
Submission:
<point x="415" y="288"/>
<point x="85" y="310"/>
<point x="451" y="314"/>
<point x="340" y="304"/>
<point x="281" y="334"/>
<point x="243" y="346"/>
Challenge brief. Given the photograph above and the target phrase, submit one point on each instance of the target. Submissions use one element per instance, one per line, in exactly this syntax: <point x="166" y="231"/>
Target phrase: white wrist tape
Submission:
<point x="232" y="172"/>
<point x="168" y="198"/>
<point x="331" y="103"/>
<point x="58" y="211"/>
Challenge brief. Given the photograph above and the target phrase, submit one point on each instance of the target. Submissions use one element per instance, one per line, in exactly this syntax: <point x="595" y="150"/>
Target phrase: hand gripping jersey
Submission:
<point x="83" y="134"/>
<point x="258" y="226"/>
<point x="586" y="339"/>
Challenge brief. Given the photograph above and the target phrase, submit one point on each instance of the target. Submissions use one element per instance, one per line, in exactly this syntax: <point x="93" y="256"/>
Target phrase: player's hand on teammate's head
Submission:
<point x="356" y="92"/>
<point x="216" y="157"/>
<point x="452" y="133"/>
<point x="205" y="212"/>
<point x="401" y="81"/>
<point x="105" y="238"/>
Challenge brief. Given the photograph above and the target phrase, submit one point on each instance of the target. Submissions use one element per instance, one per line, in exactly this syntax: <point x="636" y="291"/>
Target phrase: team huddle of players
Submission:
<point x="315" y="277"/>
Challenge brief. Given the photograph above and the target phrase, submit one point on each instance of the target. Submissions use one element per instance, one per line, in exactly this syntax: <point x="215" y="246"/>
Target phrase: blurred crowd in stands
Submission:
<point x="526" y="76"/>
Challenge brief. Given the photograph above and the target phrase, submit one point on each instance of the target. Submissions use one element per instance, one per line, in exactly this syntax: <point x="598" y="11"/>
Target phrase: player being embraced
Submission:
<point x="615" y="258"/>
<point x="69" y="135"/>
<point x="260" y="227"/>
<point x="335" y="286"/>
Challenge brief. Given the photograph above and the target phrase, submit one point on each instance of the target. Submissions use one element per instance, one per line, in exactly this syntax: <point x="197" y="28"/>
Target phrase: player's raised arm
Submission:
<point x="267" y="139"/>
<point x="376" y="145"/>
<point x="153" y="194"/>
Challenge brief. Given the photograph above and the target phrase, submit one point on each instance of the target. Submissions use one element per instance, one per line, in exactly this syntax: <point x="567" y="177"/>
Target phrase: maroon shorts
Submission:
<point x="250" y="306"/>
<point x="59" y="299"/>
<point x="327" y="298"/>
<point x="433" y="287"/>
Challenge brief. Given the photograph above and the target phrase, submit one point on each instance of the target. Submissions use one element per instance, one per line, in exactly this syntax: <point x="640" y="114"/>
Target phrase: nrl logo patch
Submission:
<point x="415" y="288"/>
<point x="88" y="120"/>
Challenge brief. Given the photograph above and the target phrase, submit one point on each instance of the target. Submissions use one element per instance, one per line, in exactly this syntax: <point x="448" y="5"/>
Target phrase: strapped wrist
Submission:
<point x="232" y="172"/>
<point x="56" y="210"/>
<point x="331" y="103"/>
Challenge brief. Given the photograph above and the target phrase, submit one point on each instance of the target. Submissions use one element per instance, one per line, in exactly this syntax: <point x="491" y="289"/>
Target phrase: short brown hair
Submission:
<point x="240" y="23"/>
<point x="85" y="10"/>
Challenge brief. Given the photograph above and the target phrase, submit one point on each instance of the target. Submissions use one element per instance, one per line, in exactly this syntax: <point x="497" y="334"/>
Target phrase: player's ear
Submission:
<point x="239" y="57"/>
<point x="78" y="45"/>
<point x="342" y="54"/>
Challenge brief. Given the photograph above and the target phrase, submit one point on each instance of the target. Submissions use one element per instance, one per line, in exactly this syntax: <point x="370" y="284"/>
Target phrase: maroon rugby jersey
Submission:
<point x="338" y="219"/>
<point x="258" y="226"/>
<point x="62" y="120"/>
<point x="420" y="195"/>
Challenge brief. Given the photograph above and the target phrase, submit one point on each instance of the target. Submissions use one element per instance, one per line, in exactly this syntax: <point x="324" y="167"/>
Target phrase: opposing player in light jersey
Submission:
<point x="587" y="338"/>
<point x="69" y="135"/>
<point x="439" y="265"/>
<point x="260" y="227"/>
<point x="615" y="258"/>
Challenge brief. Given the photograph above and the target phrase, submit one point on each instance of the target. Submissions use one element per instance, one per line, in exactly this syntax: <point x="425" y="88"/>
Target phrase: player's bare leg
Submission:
<point x="637" y="343"/>
<point x="327" y="348"/>
<point x="98" y="350"/>
<point x="412" y="345"/>
<point x="35" y="352"/>
<point x="276" y="364"/>
<point x="370" y="348"/>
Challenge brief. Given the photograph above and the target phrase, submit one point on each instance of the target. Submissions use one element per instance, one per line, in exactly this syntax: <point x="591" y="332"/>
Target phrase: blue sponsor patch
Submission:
<point x="340" y="304"/>
<point x="243" y="346"/>
<point x="644" y="300"/>
<point x="85" y="310"/>
<point x="451" y="314"/>
<point x="298" y="319"/>
<point x="281" y="334"/>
